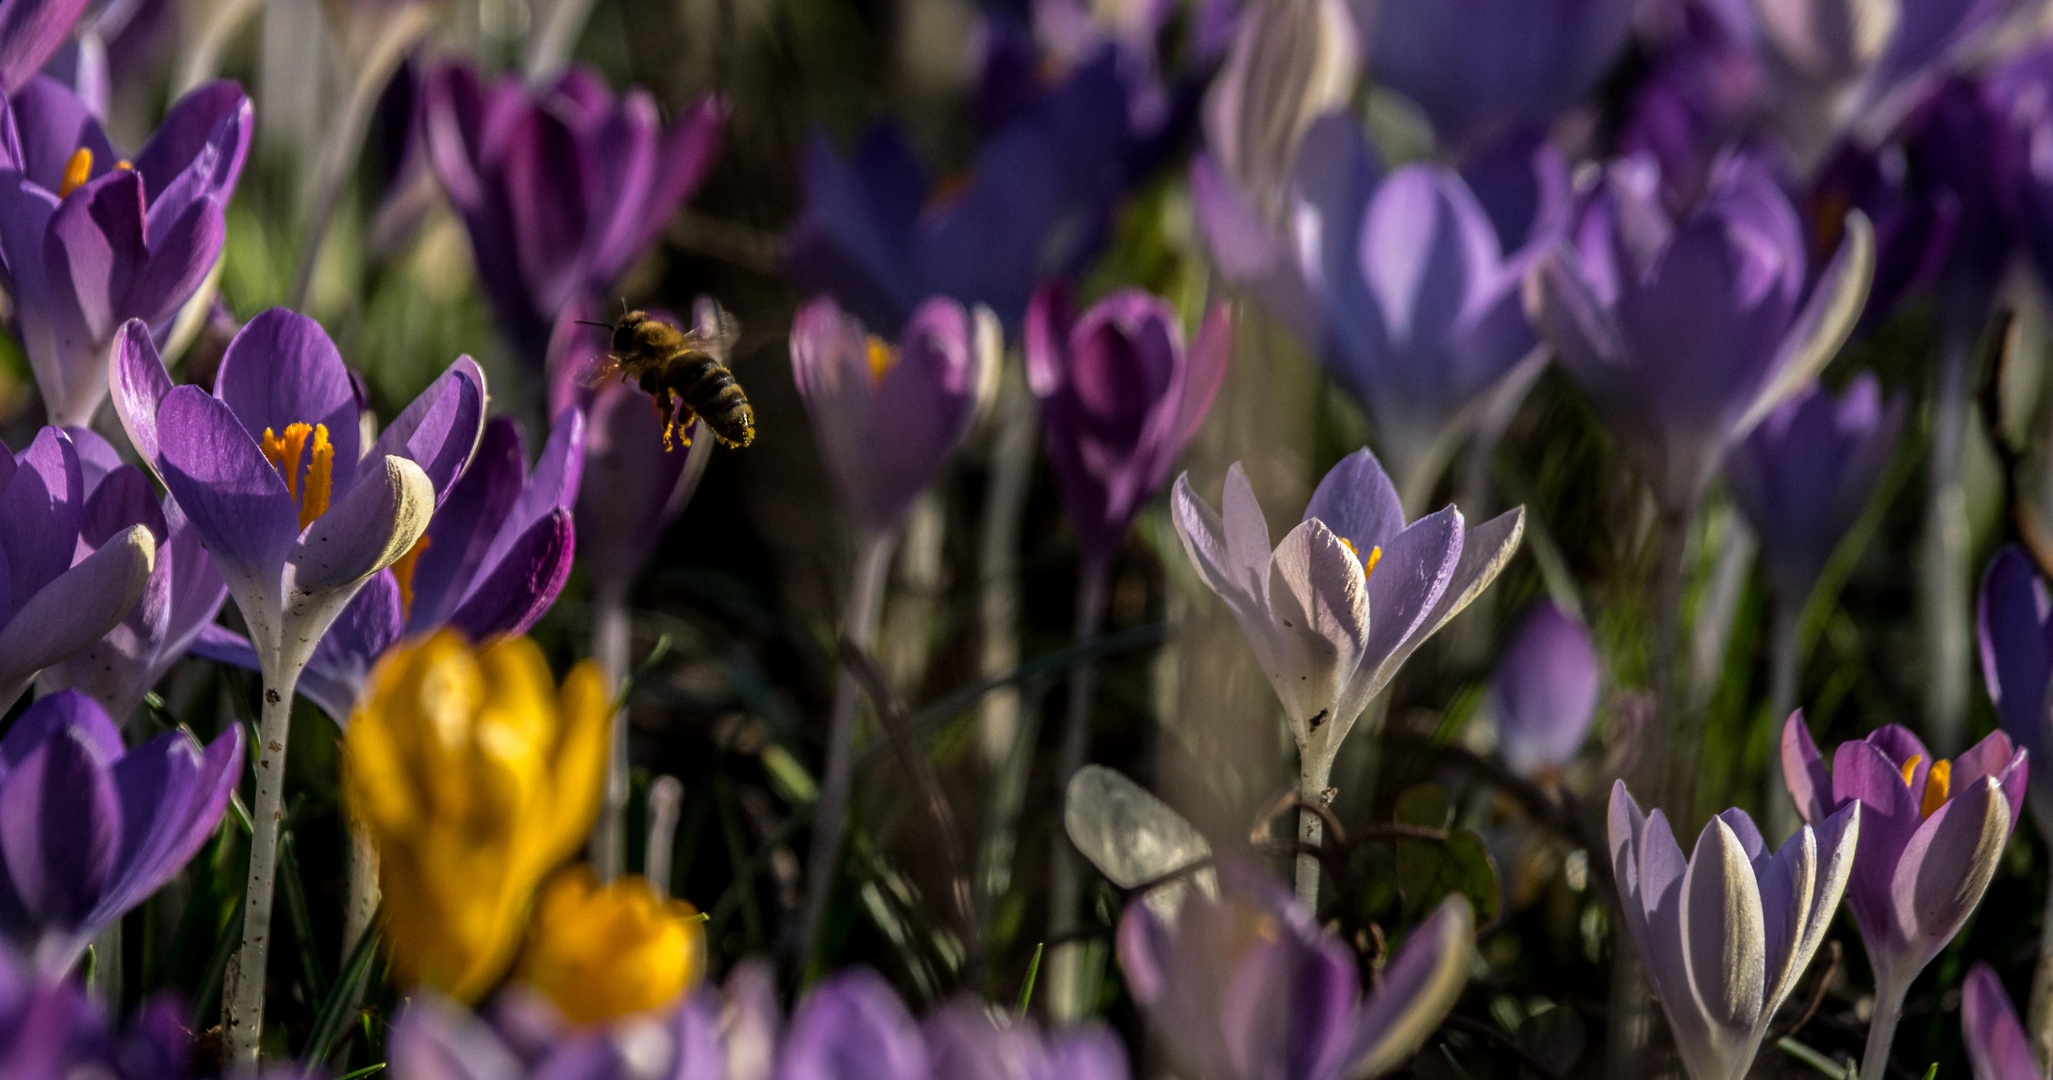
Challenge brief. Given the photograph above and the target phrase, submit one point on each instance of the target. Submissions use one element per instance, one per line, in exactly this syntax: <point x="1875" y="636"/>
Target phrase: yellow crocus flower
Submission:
<point x="605" y="952"/>
<point x="474" y="776"/>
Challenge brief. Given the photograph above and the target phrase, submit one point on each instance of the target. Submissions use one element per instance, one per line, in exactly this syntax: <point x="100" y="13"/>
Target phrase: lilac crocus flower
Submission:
<point x="637" y="485"/>
<point x="1480" y="67"/>
<point x="1725" y="935"/>
<point x="60" y="592"/>
<point x="2015" y="632"/>
<point x="563" y="187"/>
<point x="1544" y="693"/>
<point x="1120" y="397"/>
<point x="495" y="555"/>
<point x="89" y="830"/>
<point x="89" y="241"/>
<point x="1932" y="833"/>
<point x="1401" y="286"/>
<point x="1996" y="1042"/>
<point x="1305" y="606"/>
<point x="1686" y="334"/>
<point x="1804" y="475"/>
<point x="888" y="417"/>
<point x="1290" y="63"/>
<point x="178" y="603"/>
<point x="1286" y="1003"/>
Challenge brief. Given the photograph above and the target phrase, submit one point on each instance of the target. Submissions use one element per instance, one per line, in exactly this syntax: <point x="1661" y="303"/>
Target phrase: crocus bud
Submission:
<point x="474" y="775"/>
<point x="600" y="953"/>
<point x="1544" y="693"/>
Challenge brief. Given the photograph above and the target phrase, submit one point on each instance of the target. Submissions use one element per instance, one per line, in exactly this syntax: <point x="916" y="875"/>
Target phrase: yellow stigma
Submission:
<point x="77" y="170"/>
<point x="882" y="359"/>
<point x="1937" y="785"/>
<point x="402" y="572"/>
<point x="1368" y="564"/>
<point x="284" y="453"/>
<point x="603" y="953"/>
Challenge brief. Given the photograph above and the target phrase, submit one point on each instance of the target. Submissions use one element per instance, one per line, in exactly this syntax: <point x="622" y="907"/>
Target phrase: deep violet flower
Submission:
<point x="1400" y="283"/>
<point x="562" y="187"/>
<point x="58" y="595"/>
<point x="1725" y="935"/>
<point x="495" y="555"/>
<point x="1285" y="1002"/>
<point x="180" y="600"/>
<point x="89" y="241"/>
<point x="1306" y="606"/>
<point x="889" y="416"/>
<point x="1687" y="333"/>
<point x="1804" y="475"/>
<point x="1544" y="692"/>
<point x="89" y="830"/>
<point x="1931" y="835"/>
<point x="2014" y="625"/>
<point x="1120" y="397"/>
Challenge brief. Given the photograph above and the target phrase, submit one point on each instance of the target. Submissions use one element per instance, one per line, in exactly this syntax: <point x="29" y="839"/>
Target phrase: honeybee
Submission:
<point x="685" y="371"/>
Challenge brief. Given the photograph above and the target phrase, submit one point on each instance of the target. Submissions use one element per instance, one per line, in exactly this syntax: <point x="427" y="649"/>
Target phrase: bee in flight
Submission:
<point x="685" y="371"/>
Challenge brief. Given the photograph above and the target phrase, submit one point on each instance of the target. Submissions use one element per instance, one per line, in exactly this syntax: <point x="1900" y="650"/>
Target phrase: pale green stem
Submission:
<point x="243" y="1001"/>
<point x="2040" y="1011"/>
<point x="612" y="638"/>
<point x="1315" y="777"/>
<point x="107" y="966"/>
<point x="1786" y="658"/>
<point x="1065" y="889"/>
<point x="859" y="627"/>
<point x="1012" y="463"/>
<point x="1882" y="1028"/>
<point x="666" y="795"/>
<point x="1948" y="622"/>
<point x="1632" y="1015"/>
<point x="362" y="901"/>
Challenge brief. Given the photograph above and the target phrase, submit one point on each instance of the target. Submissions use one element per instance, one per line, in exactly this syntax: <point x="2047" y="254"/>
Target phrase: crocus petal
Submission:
<point x="281" y="370"/>
<point x="140" y="384"/>
<point x="65" y="710"/>
<point x="233" y="496"/>
<point x="76" y="609"/>
<point x="172" y="796"/>
<point x="62" y="830"/>
<point x="1996" y="1043"/>
<point x="1803" y="770"/>
<point x="368" y="530"/>
<point x="1321" y="612"/>
<point x="1826" y="320"/>
<point x="522" y="585"/>
<point x="1417" y="567"/>
<point x="1724" y="931"/>
<point x="1484" y="551"/>
<point x="439" y="429"/>
<point x="1944" y="870"/>
<point x="1288" y="1005"/>
<point x="852" y="1027"/>
<point x="1359" y="503"/>
<point x="1419" y="987"/>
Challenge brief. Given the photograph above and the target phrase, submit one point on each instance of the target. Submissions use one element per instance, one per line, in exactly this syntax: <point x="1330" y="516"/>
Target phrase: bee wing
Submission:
<point x="600" y="370"/>
<point x="714" y="330"/>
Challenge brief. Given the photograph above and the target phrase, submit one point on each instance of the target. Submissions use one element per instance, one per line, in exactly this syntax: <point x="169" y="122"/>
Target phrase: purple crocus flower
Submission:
<point x="1305" y="606"/>
<point x="637" y="484"/>
<point x="887" y="417"/>
<point x="880" y="236"/>
<point x="1120" y="397"/>
<point x="1702" y="95"/>
<point x="89" y="241"/>
<point x="2015" y="631"/>
<point x="562" y="187"/>
<point x="1401" y="285"/>
<point x="435" y="1038"/>
<point x="51" y="1027"/>
<point x="295" y="515"/>
<point x="60" y="592"/>
<point x="1480" y="67"/>
<point x="1804" y="475"/>
<point x="2021" y="92"/>
<point x="1686" y="334"/>
<point x="1931" y="835"/>
<point x="31" y="31"/>
<point x="1996" y="1042"/>
<point x="88" y="830"/>
<point x="1544" y="693"/>
<point x="179" y="601"/>
<point x="495" y="555"/>
<point x="1286" y="1003"/>
<point x="1725" y="935"/>
<point x="1913" y="227"/>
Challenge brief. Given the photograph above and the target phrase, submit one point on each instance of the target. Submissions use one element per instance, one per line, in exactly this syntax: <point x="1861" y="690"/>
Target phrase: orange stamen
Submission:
<point x="284" y="453"/>
<point x="1368" y="564"/>
<point x="1938" y="784"/>
<point x="1910" y="768"/>
<point x="77" y="170"/>
<point x="403" y="570"/>
<point x="882" y="359"/>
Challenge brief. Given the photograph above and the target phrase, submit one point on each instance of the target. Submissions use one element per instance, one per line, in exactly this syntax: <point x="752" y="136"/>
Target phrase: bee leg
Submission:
<point x="668" y="413"/>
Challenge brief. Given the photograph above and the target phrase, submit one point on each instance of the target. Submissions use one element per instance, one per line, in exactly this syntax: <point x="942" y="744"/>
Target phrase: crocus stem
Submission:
<point x="1882" y="1028"/>
<point x="1065" y="974"/>
<point x="666" y="795"/>
<point x="1944" y="581"/>
<point x="1315" y="777"/>
<point x="859" y="627"/>
<point x="1012" y="465"/>
<point x="362" y="901"/>
<point x="1631" y="1018"/>
<point x="612" y="637"/>
<point x="2039" y="1016"/>
<point x="1670" y="739"/>
<point x="244" y="999"/>
<point x="1786" y="659"/>
<point x="551" y="45"/>
<point x="107" y="966"/>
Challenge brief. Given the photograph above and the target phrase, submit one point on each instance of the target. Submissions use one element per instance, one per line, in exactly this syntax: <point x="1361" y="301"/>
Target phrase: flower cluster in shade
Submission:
<point x="1120" y="395"/>
<point x="1931" y="834"/>
<point x="90" y="238"/>
<point x="887" y="416"/>
<point x="294" y="511"/>
<point x="850" y="1026"/>
<point x="1333" y="610"/>
<point x="1401" y="283"/>
<point x="474" y="776"/>
<point x="69" y="577"/>
<point x="1249" y="987"/>
<point x="1725" y="934"/>
<point x="1685" y="333"/>
<point x="562" y="187"/>
<point x="1544" y="691"/>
